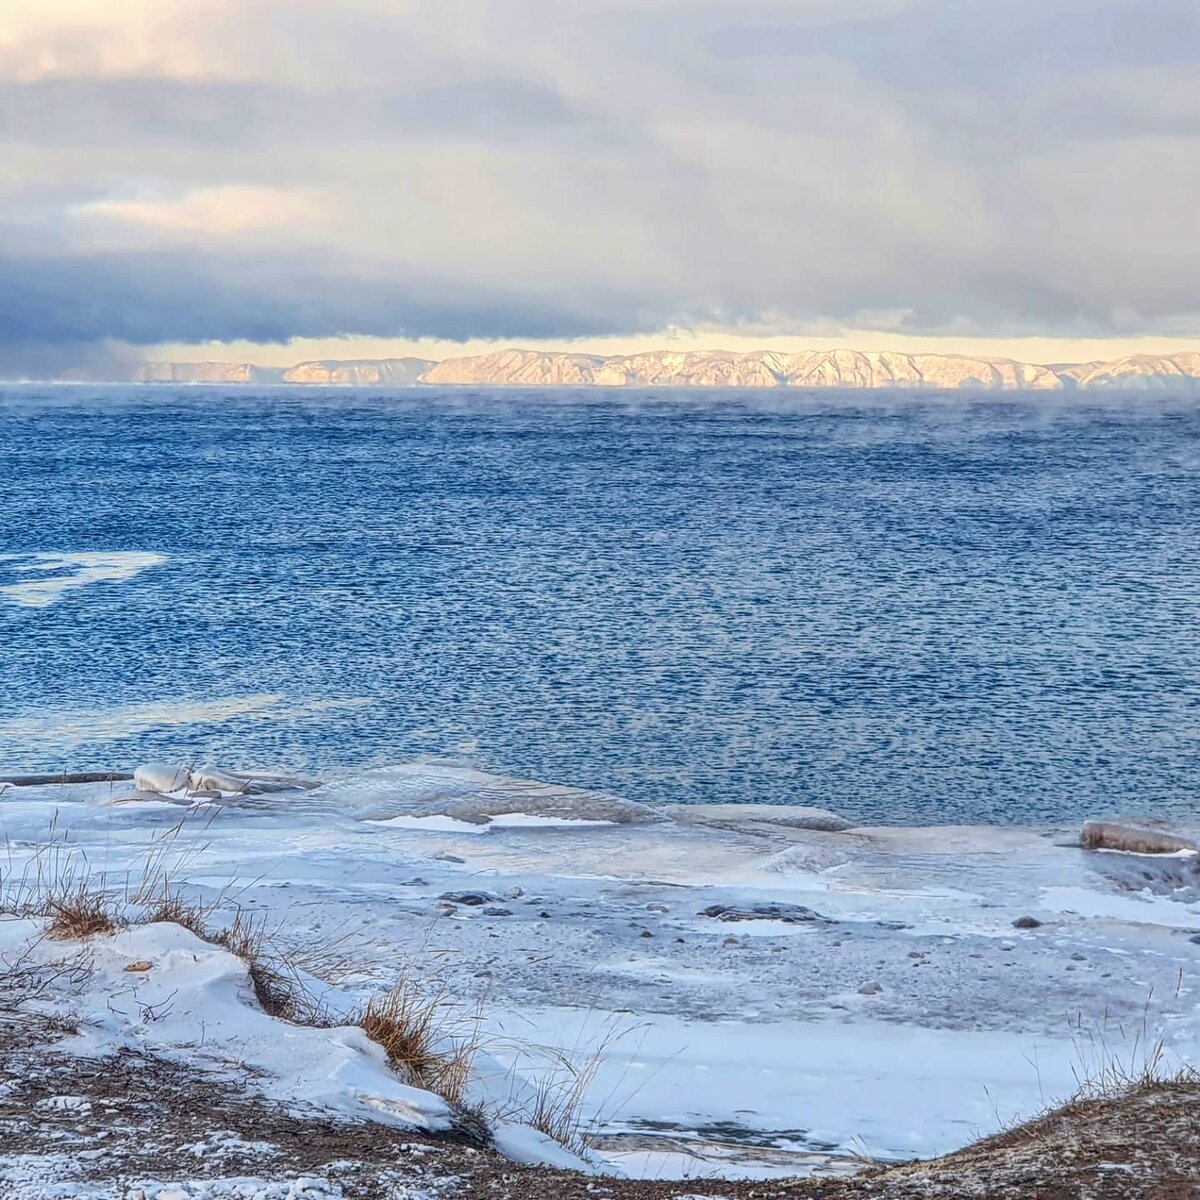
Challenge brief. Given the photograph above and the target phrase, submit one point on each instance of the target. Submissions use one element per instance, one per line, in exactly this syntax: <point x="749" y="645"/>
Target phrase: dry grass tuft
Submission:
<point x="561" y="1081"/>
<point x="411" y="1028"/>
<point x="168" y="858"/>
<point x="56" y="886"/>
<point x="174" y="910"/>
<point x="405" y="1025"/>
<point x="79" y="913"/>
<point x="559" y="1099"/>
<point x="281" y="995"/>
<point x="245" y="938"/>
<point x="277" y="986"/>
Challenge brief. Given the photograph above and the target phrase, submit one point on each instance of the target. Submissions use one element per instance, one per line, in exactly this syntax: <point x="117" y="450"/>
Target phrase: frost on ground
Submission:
<point x="949" y="982"/>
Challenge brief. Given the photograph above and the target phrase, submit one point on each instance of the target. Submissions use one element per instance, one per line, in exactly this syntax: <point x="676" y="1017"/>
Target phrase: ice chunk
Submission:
<point x="51" y="575"/>
<point x="788" y="816"/>
<point x="160" y="778"/>
<point x="246" y="783"/>
<point x="1138" y="837"/>
<point x="164" y="780"/>
<point x="811" y="857"/>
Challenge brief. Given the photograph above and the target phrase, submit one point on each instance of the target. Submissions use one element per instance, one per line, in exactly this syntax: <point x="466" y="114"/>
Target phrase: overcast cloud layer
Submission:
<point x="186" y="170"/>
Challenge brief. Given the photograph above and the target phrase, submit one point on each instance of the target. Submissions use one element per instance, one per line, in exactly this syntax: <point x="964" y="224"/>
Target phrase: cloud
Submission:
<point x="222" y="211"/>
<point x="517" y="169"/>
<point x="152" y="112"/>
<point x="981" y="44"/>
<point x="142" y="299"/>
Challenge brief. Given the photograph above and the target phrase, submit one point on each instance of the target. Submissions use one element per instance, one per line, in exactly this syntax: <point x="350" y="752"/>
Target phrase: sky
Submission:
<point x="271" y="181"/>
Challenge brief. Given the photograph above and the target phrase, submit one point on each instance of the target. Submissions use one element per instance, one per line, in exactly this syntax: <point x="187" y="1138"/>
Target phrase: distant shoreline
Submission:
<point x="766" y="370"/>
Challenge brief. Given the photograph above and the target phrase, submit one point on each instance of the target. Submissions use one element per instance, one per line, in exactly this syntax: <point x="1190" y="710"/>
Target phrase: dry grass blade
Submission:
<point x="245" y="937"/>
<point x="176" y="911"/>
<point x="562" y="1082"/>
<point x="1113" y="1060"/>
<point x="559" y="1099"/>
<point x="168" y="858"/>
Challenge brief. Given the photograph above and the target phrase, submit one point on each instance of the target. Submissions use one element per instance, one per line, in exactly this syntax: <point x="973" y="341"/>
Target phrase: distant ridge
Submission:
<point x="705" y="369"/>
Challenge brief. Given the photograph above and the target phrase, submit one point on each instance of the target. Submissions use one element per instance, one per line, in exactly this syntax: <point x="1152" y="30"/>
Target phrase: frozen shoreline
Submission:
<point x="907" y="1021"/>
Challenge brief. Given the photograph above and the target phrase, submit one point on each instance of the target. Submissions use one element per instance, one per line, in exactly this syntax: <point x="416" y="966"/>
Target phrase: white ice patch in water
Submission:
<point x="127" y="720"/>
<point x="52" y="575"/>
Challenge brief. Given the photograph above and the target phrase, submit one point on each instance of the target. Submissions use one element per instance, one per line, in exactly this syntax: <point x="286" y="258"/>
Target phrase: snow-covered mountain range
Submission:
<point x="705" y="369"/>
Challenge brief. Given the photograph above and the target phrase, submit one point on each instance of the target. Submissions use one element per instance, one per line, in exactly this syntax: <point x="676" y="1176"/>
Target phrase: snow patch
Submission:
<point x="196" y="1005"/>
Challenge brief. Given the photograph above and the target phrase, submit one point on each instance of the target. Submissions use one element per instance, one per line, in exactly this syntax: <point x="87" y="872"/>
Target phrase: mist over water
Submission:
<point x="909" y="609"/>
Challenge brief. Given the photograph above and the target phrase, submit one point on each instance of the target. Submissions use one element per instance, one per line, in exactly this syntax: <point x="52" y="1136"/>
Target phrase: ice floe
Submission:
<point x="189" y="782"/>
<point x="46" y="578"/>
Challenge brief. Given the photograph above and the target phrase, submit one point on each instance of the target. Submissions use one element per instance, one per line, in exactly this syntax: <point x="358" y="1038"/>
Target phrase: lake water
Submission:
<point x="909" y="609"/>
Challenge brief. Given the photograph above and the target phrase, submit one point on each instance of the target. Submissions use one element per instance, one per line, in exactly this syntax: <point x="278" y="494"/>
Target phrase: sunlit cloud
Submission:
<point x="222" y="211"/>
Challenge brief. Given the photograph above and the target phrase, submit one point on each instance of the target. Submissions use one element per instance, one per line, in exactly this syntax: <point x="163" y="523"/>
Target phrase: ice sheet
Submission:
<point x="883" y="1029"/>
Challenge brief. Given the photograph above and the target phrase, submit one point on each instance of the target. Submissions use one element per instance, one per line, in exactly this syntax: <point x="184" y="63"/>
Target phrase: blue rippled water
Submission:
<point x="909" y="609"/>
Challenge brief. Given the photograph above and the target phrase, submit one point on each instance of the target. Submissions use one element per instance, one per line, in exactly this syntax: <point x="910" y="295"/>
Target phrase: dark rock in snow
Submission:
<point x="1027" y="923"/>
<point x="470" y="899"/>
<point x="790" y="914"/>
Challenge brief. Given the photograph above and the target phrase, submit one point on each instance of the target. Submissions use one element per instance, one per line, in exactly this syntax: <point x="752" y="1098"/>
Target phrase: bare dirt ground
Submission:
<point x="110" y="1126"/>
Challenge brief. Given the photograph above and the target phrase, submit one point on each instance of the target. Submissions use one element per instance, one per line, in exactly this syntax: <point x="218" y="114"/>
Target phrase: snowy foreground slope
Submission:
<point x="761" y="998"/>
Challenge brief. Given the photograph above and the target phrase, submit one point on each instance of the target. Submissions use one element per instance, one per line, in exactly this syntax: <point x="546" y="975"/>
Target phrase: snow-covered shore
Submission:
<point x="886" y="1006"/>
